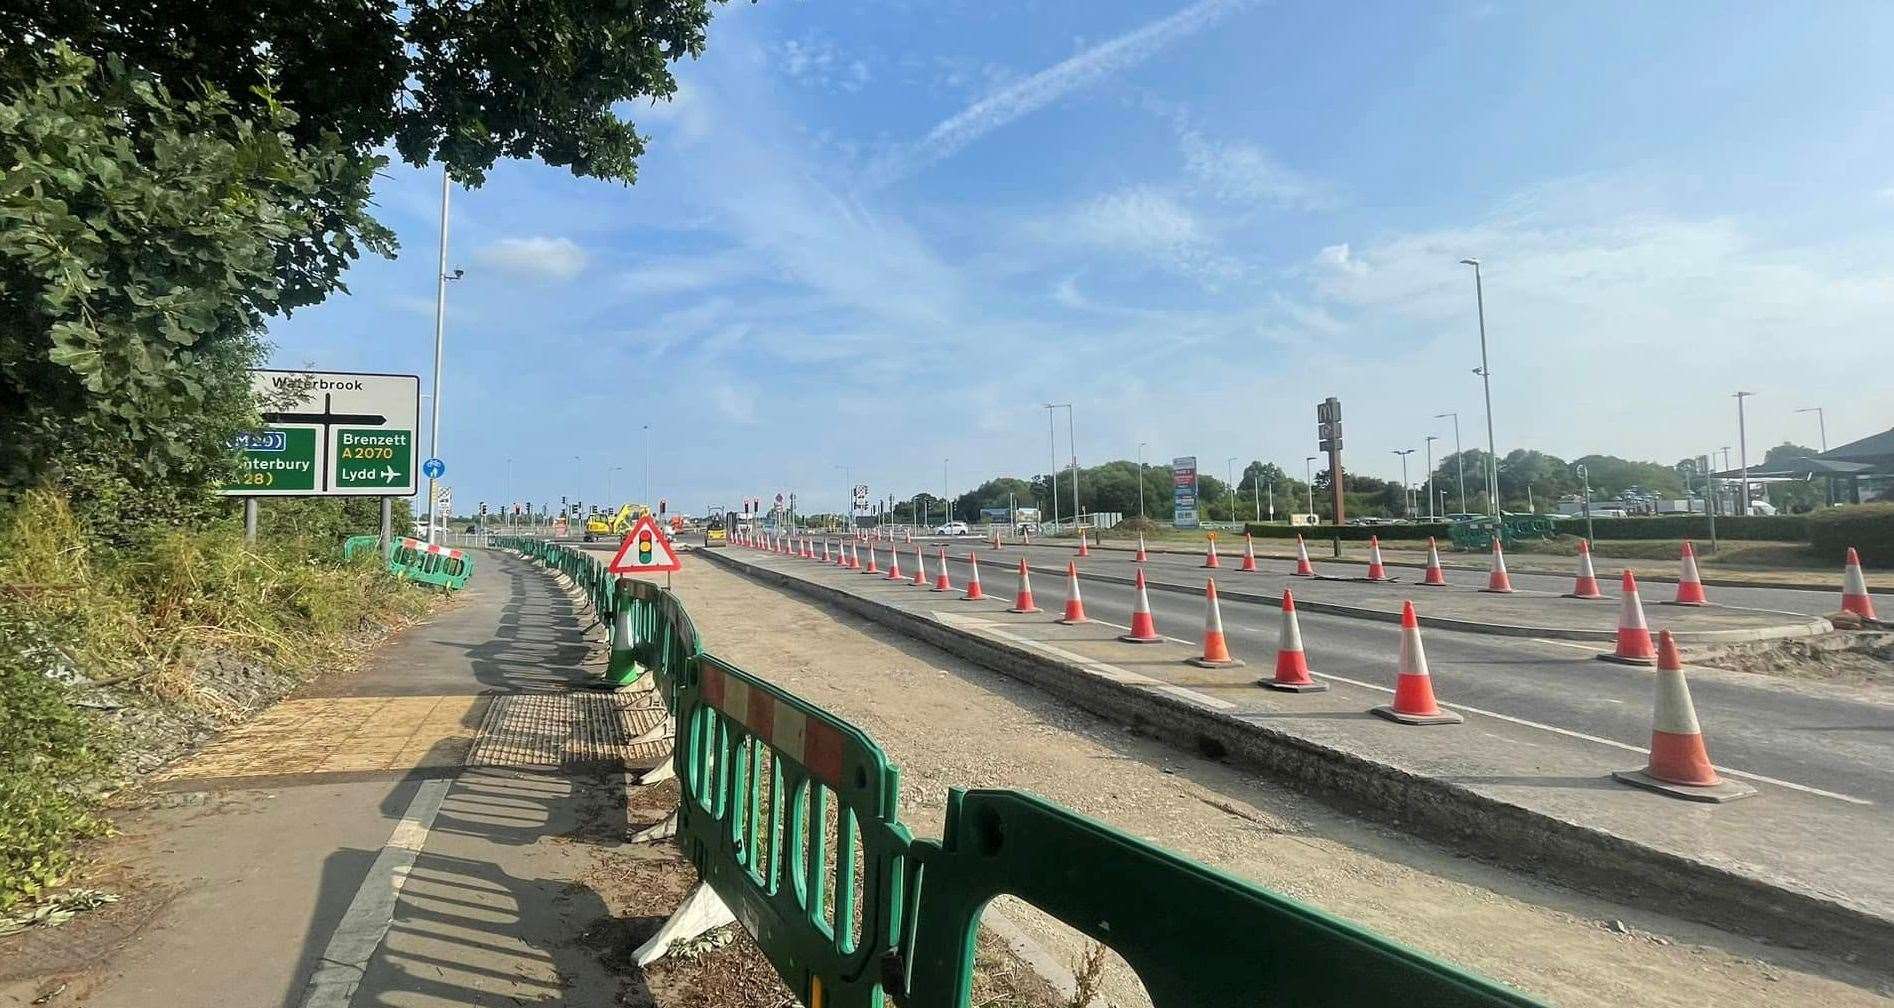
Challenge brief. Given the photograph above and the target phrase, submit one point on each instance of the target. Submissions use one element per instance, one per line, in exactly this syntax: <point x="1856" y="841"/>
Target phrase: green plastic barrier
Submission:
<point x="358" y="544"/>
<point x="1196" y="937"/>
<point x="792" y="816"/>
<point x="768" y="783"/>
<point x="417" y="561"/>
<point x="1476" y="533"/>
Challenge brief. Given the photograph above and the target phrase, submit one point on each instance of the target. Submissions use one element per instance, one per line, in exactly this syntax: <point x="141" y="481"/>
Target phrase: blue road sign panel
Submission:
<point x="434" y="468"/>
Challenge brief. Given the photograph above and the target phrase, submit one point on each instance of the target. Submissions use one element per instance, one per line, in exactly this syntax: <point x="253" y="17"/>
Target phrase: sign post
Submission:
<point x="1328" y="431"/>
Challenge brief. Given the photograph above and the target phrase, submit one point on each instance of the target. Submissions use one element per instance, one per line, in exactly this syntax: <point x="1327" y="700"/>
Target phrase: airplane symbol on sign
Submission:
<point x="389" y="474"/>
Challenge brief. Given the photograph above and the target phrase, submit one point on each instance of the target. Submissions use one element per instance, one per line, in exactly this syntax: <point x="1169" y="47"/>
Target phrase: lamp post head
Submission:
<point x="1475" y="263"/>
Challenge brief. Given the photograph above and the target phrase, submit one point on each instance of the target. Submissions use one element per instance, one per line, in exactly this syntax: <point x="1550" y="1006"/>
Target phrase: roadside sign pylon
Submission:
<point x="1413" y="687"/>
<point x="1143" y="627"/>
<point x="1434" y="576"/>
<point x="1216" y="648"/>
<point x="1690" y="583"/>
<point x="1292" y="665"/>
<point x="1074" y="605"/>
<point x="1634" y="635"/>
<point x="1680" y="764"/>
<point x="1854" y="588"/>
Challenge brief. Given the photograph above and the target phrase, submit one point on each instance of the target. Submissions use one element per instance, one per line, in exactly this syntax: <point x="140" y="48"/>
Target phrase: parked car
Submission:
<point x="952" y="528"/>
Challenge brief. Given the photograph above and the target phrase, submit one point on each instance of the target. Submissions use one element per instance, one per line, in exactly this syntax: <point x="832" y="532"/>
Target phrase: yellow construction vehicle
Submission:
<point x="615" y="525"/>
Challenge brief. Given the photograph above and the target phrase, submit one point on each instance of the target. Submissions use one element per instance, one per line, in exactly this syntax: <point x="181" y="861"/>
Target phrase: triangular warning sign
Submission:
<point x="644" y="551"/>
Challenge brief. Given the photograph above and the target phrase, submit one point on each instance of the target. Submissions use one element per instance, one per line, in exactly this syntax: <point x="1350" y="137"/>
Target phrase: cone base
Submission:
<point x="1134" y="639"/>
<point x="1439" y="717"/>
<point x="1442" y="583"/>
<point x="1618" y="659"/>
<point x="1212" y="566"/>
<point x="1497" y="591"/>
<point x="1675" y="602"/>
<point x="1307" y="573"/>
<point x="982" y="598"/>
<point x="1202" y="662"/>
<point x="1293" y="687"/>
<point x="942" y="588"/>
<point x="1576" y="595"/>
<point x="1068" y="621"/>
<point x="1017" y="609"/>
<point x="1718" y="793"/>
<point x="1252" y="568"/>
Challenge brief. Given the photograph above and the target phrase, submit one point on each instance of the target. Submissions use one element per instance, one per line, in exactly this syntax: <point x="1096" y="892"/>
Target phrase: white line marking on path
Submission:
<point x="1746" y="775"/>
<point x="365" y="924"/>
<point x="1092" y="665"/>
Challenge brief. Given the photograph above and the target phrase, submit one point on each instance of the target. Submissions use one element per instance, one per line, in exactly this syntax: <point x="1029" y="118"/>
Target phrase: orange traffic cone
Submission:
<point x="996" y="540"/>
<point x="1679" y="764"/>
<point x="1303" y="567"/>
<point x="1249" y="553"/>
<point x="1689" y="583"/>
<point x="1210" y="554"/>
<point x="1377" y="571"/>
<point x="854" y="557"/>
<point x="871" y="569"/>
<point x="1854" y="588"/>
<point x="1587" y="584"/>
<point x="1434" y="575"/>
<point x="941" y="582"/>
<point x="1085" y="548"/>
<point x="1139" y="557"/>
<point x="1413" y="687"/>
<point x="1022" y="599"/>
<point x="1143" y="628"/>
<point x="973" y="578"/>
<point x="910" y="536"/>
<point x="1497" y="581"/>
<point x="1216" y="650"/>
<point x="894" y="560"/>
<point x="920" y="568"/>
<point x="825" y="551"/>
<point x="1634" y="636"/>
<point x="1074" y="606"/>
<point x="1292" y="666"/>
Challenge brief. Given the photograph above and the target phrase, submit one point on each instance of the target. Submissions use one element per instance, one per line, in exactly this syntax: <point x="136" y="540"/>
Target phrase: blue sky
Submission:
<point x="883" y="233"/>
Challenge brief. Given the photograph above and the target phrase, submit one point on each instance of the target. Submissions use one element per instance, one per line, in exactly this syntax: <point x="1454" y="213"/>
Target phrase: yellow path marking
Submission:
<point x="328" y="734"/>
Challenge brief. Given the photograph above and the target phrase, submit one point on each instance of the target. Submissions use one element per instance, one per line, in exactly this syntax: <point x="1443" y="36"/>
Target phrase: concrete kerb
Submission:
<point x="1798" y="625"/>
<point x="1574" y="854"/>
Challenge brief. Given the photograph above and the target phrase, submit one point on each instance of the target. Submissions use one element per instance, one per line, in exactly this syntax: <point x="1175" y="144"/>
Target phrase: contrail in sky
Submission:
<point x="1047" y="86"/>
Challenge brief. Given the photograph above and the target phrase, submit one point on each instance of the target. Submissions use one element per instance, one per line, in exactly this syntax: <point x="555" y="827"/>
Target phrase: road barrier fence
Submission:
<point x="791" y="816"/>
<point x="417" y="560"/>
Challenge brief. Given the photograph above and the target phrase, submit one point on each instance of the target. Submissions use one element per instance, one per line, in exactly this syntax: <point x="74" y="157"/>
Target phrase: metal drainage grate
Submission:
<point x="568" y="729"/>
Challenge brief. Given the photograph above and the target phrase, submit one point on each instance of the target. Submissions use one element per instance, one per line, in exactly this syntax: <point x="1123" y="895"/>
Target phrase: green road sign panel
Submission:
<point x="362" y="427"/>
<point x="275" y="460"/>
<point x="373" y="458"/>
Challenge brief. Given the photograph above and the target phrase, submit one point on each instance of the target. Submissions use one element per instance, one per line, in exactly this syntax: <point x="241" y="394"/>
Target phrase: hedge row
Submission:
<point x="1350" y="533"/>
<point x="1779" y="528"/>
<point x="1867" y="527"/>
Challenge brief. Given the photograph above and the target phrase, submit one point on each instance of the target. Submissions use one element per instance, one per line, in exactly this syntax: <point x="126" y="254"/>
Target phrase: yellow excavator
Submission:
<point x="617" y="524"/>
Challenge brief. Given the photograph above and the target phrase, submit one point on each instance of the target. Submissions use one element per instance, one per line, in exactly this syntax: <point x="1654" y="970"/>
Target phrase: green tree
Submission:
<point x="176" y="172"/>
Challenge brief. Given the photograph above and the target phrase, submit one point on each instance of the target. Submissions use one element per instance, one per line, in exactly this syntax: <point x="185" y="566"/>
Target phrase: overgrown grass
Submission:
<point x="78" y="617"/>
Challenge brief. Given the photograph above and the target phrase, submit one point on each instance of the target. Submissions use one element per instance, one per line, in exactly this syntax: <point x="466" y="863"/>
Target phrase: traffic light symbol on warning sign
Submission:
<point x="645" y="550"/>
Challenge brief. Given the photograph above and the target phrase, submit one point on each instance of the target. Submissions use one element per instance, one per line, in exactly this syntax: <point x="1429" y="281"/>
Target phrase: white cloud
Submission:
<point x="737" y="405"/>
<point x="814" y="61"/>
<point x="535" y="258"/>
<point x="1138" y="219"/>
<point x="1049" y="85"/>
<point x="1246" y="173"/>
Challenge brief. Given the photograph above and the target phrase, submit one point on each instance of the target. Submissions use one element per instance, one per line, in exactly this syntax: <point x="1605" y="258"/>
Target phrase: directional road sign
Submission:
<point x="329" y="433"/>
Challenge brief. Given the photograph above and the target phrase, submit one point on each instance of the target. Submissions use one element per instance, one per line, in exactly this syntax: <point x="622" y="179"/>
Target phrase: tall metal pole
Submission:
<point x="946" y="498"/>
<point x="440" y="335"/>
<point x="249" y="520"/>
<point x="1742" y="452"/>
<point x="1459" y="458"/>
<point x="1828" y="483"/>
<point x="1407" y="503"/>
<point x="1486" y="386"/>
<point x="1072" y="448"/>
<point x="647" y="465"/>
<point x="1229" y="470"/>
<point x="1308" y="477"/>
<point x="1052" y="446"/>
<point x="1431" y="513"/>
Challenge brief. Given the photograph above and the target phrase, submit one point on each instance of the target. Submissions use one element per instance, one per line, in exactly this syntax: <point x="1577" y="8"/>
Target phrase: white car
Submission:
<point x="953" y="528"/>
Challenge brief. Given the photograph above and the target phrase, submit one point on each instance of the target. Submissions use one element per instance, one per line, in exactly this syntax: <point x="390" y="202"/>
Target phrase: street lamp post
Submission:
<point x="848" y="496"/>
<point x="1821" y="419"/>
<point x="1431" y="438"/>
<point x="1459" y="458"/>
<point x="1742" y="452"/>
<point x="1308" y="478"/>
<point x="611" y="484"/>
<point x="946" y="498"/>
<point x="1052" y="448"/>
<point x="1407" y="503"/>
<point x="1584" y="479"/>
<point x="440" y="339"/>
<point x="1486" y="386"/>
<point x="1229" y="490"/>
